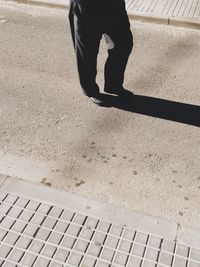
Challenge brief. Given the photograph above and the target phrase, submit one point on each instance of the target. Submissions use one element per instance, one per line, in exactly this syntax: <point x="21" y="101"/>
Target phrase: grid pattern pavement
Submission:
<point x="169" y="8"/>
<point x="36" y="233"/>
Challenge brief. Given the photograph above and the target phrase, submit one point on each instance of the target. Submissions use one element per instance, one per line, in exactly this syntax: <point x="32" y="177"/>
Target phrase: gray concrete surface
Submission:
<point x="50" y="133"/>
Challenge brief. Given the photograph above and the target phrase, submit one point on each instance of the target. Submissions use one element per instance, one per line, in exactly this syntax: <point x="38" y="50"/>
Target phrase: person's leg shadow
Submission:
<point x="158" y="108"/>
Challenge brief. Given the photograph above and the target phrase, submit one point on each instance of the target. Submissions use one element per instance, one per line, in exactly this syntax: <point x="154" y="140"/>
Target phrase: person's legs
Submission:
<point x="86" y="38"/>
<point x="118" y="30"/>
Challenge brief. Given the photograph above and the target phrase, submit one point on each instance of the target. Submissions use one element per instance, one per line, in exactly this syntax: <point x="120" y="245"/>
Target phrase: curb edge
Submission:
<point x="161" y="227"/>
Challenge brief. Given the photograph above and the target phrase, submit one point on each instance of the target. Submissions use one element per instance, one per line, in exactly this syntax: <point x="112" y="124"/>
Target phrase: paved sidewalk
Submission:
<point x="170" y="9"/>
<point x="185" y="13"/>
<point x="40" y="226"/>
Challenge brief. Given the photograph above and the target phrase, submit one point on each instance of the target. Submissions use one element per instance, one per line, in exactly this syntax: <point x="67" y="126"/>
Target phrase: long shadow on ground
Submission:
<point x="158" y="108"/>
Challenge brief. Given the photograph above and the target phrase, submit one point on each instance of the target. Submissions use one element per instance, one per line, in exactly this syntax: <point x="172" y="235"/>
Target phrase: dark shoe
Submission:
<point x="98" y="100"/>
<point x="121" y="93"/>
<point x="125" y="94"/>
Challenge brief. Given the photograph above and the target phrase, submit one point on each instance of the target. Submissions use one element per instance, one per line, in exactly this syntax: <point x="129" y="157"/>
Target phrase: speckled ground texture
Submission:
<point x="50" y="133"/>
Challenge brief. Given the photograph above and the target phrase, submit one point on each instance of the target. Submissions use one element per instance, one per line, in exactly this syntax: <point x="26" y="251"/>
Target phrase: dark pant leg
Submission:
<point x="71" y="20"/>
<point x="86" y="40"/>
<point x="118" y="30"/>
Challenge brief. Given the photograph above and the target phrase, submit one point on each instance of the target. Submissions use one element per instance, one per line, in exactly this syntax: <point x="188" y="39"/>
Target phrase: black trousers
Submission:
<point x="88" y="24"/>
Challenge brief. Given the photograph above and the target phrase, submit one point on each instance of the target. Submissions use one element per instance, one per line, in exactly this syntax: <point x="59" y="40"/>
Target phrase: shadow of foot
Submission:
<point x="156" y="107"/>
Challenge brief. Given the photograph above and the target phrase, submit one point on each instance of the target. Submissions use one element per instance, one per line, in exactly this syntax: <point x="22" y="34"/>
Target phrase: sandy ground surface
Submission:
<point x="144" y="155"/>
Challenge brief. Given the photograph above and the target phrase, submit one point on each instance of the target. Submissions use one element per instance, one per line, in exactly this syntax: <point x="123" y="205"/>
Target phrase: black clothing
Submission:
<point x="89" y="20"/>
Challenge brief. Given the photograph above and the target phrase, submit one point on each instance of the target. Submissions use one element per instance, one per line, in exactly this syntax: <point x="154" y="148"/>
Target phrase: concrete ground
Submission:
<point x="143" y="155"/>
